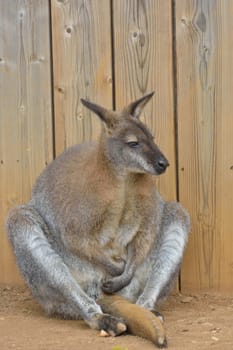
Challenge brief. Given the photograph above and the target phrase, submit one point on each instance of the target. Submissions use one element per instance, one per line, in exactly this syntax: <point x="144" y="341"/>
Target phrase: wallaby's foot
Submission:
<point x="112" y="325"/>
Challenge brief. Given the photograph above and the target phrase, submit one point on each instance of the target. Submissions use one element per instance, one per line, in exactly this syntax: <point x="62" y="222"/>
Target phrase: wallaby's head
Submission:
<point x="128" y="144"/>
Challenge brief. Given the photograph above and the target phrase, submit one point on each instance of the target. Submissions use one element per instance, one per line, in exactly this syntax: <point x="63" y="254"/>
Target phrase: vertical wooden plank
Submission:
<point x="82" y="67"/>
<point x="204" y="76"/>
<point x="143" y="62"/>
<point x="25" y="109"/>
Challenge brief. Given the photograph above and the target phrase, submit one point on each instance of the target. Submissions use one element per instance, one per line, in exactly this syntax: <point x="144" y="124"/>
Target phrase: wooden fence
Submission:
<point x="54" y="52"/>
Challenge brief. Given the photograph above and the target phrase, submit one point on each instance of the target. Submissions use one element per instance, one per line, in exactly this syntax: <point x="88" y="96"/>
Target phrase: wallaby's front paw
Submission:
<point x="112" y="325"/>
<point x="111" y="286"/>
<point x="116" y="268"/>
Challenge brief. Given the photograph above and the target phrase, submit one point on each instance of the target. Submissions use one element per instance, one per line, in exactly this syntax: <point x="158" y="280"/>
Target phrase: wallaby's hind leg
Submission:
<point x="166" y="258"/>
<point x="47" y="275"/>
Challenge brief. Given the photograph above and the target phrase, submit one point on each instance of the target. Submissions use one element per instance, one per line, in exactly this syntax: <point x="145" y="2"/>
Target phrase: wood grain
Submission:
<point x="205" y="128"/>
<point x="143" y="63"/>
<point x="82" y="67"/>
<point x="25" y="109"/>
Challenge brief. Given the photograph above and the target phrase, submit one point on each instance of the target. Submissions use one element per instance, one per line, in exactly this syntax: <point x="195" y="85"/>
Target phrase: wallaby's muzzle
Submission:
<point x="157" y="158"/>
<point x="161" y="165"/>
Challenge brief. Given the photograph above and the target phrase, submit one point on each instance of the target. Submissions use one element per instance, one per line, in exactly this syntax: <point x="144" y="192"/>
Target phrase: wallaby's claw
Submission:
<point x="112" y="325"/>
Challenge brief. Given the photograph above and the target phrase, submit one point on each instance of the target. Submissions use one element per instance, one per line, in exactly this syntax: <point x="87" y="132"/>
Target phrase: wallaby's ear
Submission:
<point x="107" y="116"/>
<point x="135" y="108"/>
<point x="99" y="110"/>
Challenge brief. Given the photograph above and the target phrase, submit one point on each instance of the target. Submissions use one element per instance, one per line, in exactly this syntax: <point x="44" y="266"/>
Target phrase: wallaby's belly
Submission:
<point x="113" y="233"/>
<point x="128" y="228"/>
<point x="119" y="228"/>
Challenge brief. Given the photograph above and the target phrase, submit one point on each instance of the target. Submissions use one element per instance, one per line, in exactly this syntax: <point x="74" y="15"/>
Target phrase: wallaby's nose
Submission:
<point x="162" y="165"/>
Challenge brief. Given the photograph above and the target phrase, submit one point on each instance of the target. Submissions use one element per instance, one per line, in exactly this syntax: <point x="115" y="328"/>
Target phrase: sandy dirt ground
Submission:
<point x="202" y="321"/>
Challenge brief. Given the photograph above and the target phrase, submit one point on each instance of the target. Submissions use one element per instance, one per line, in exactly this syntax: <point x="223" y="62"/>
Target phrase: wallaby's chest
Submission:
<point x="123" y="218"/>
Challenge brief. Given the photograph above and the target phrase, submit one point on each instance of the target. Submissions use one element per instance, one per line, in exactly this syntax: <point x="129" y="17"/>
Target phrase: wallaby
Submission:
<point x="95" y="223"/>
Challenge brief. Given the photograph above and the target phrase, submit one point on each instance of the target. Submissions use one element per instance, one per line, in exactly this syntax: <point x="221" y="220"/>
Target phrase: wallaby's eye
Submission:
<point x="133" y="144"/>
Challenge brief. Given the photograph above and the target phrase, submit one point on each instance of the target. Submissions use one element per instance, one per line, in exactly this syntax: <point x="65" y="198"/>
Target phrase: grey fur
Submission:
<point x="96" y="223"/>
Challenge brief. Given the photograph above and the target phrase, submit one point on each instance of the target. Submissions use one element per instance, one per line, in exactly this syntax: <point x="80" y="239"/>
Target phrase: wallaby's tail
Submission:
<point x="139" y="321"/>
